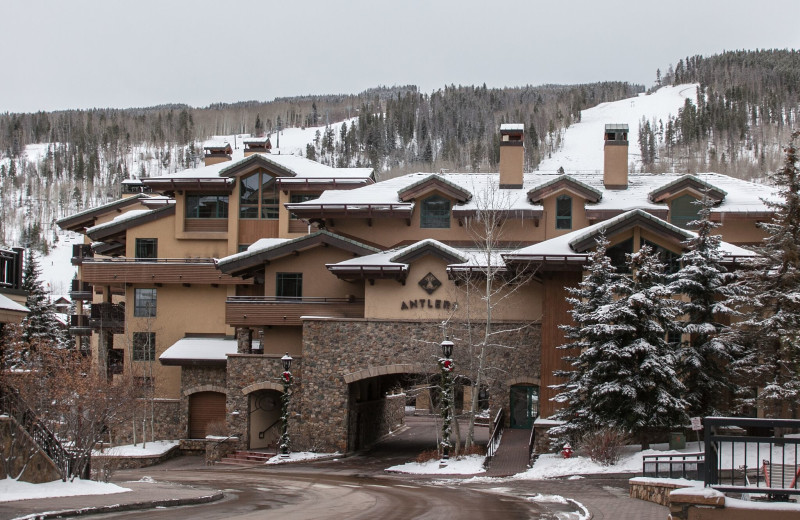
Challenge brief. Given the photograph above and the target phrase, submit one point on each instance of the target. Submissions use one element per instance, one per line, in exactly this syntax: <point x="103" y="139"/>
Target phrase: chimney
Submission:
<point x="512" y="155"/>
<point x="615" y="157"/>
<point x="217" y="152"/>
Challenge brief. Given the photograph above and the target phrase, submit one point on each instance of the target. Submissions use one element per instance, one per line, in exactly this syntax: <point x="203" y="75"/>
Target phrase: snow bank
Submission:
<point x="11" y="489"/>
<point x="469" y="465"/>
<point x="151" y="449"/>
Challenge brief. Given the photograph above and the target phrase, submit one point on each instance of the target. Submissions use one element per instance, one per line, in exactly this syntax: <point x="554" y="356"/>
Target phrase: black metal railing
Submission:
<point x="756" y="458"/>
<point x="497" y="431"/>
<point x="80" y="252"/>
<point x="107" y="316"/>
<point x="292" y="299"/>
<point x="675" y="465"/>
<point x="11" y="403"/>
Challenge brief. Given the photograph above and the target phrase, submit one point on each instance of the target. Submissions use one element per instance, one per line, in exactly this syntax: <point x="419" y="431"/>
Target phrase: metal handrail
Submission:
<point x="497" y="430"/>
<point x="12" y="404"/>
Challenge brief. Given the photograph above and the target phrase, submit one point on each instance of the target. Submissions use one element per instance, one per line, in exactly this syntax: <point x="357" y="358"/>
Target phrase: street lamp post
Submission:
<point x="286" y="377"/>
<point x="446" y="365"/>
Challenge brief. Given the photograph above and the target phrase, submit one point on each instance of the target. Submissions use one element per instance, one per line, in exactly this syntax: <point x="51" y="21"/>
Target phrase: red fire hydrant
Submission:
<point x="567" y="451"/>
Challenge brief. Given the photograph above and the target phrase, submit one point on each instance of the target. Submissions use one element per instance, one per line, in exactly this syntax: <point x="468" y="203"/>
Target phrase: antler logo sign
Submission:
<point x="430" y="283"/>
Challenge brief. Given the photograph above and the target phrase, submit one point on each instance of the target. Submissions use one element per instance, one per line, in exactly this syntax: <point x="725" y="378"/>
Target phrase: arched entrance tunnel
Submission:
<point x="383" y="404"/>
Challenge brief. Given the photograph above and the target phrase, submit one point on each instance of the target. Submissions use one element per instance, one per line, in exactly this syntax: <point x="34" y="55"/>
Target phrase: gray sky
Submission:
<point x="104" y="53"/>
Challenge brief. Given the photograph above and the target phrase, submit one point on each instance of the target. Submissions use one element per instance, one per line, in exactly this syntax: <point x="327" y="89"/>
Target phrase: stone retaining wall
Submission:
<point x="114" y="462"/>
<point x="27" y="462"/>
<point x="656" y="490"/>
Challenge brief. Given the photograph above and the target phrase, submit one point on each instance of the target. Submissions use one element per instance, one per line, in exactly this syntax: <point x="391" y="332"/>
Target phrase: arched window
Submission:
<point x="564" y="212"/>
<point x="683" y="210"/>
<point x="435" y="212"/>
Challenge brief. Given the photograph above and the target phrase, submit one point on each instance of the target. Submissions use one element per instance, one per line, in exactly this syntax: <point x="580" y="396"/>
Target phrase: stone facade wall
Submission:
<point x="198" y="378"/>
<point x="167" y="422"/>
<point x="112" y="462"/>
<point x="248" y="371"/>
<point x="378" y="418"/>
<point x="336" y="349"/>
<point x="19" y="449"/>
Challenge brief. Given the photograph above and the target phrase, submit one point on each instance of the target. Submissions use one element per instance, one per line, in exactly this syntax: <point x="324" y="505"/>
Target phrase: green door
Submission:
<point x="524" y="406"/>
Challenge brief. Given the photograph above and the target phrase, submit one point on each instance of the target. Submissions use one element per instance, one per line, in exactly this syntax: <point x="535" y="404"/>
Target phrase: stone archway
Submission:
<point x="263" y="414"/>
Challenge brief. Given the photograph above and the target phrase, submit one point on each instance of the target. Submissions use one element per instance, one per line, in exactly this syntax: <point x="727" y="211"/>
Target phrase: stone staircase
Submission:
<point x="249" y="457"/>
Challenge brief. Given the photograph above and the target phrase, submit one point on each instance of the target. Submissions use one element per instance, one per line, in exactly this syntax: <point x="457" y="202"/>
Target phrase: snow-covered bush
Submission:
<point x="604" y="446"/>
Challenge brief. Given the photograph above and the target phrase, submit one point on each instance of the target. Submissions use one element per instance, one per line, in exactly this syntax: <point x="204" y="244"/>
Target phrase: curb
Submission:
<point x="133" y="506"/>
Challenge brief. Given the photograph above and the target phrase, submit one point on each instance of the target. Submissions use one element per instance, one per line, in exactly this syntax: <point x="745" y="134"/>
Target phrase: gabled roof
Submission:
<point x="128" y="220"/>
<point x="573" y="250"/>
<point x="84" y="219"/>
<point x="434" y="182"/>
<point x="564" y="182"/>
<point x="687" y="182"/>
<point x="429" y="247"/>
<point x="266" y="251"/>
<point x="255" y="161"/>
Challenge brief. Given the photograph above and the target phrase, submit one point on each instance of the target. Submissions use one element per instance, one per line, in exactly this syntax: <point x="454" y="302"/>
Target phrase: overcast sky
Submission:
<point x="103" y="53"/>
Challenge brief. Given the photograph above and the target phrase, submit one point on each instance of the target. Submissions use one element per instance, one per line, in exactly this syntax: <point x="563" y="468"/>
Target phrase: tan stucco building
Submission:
<point x="200" y="285"/>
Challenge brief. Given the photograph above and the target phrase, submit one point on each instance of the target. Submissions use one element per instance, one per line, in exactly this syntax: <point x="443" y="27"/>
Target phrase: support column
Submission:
<point x="244" y="340"/>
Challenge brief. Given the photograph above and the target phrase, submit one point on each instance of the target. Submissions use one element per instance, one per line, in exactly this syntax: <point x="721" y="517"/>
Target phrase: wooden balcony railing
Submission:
<point x="79" y="325"/>
<point x="157" y="270"/>
<point x="258" y="311"/>
<point x="81" y="252"/>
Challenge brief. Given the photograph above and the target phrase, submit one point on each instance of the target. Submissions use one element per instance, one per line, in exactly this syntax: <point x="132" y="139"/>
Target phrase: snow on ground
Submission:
<point x="300" y="456"/>
<point x="149" y="449"/>
<point x="11" y="489"/>
<point x="583" y="142"/>
<point x="469" y="465"/>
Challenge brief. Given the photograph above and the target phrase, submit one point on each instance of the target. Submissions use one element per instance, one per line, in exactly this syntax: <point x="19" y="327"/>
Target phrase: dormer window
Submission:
<point x="682" y="210"/>
<point x="435" y="212"/>
<point x="564" y="212"/>
<point x="258" y="197"/>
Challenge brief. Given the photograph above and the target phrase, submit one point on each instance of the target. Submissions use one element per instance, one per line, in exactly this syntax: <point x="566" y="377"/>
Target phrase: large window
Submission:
<point x="207" y="206"/>
<point x="144" y="346"/>
<point x="435" y="212"/>
<point x="564" y="212"/>
<point x="144" y="303"/>
<point x="684" y="209"/>
<point x="258" y="197"/>
<point x="302" y="197"/>
<point x="289" y="285"/>
<point x="146" y="248"/>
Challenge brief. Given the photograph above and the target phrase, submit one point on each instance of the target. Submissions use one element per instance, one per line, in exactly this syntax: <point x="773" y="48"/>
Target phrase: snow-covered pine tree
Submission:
<point x="771" y="330"/>
<point x="40" y="326"/>
<point x="625" y="374"/>
<point x="590" y="337"/>
<point x="705" y="359"/>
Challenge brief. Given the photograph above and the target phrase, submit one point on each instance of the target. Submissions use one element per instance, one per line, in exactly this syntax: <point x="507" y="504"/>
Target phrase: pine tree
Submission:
<point x="40" y="325"/>
<point x="590" y="337"/>
<point x="704" y="360"/>
<point x="771" y="330"/>
<point x="625" y="374"/>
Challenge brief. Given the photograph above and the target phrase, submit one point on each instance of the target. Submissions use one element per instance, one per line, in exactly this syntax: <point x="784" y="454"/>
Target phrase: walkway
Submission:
<point x="512" y="455"/>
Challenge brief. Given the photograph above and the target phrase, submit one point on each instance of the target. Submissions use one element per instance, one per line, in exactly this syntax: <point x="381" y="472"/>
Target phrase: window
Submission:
<point x="144" y="303"/>
<point x="671" y="260"/>
<point x="258" y="197"/>
<point x="144" y="346"/>
<point x="146" y="248"/>
<point x="206" y="206"/>
<point x="564" y="212"/>
<point x="435" y="213"/>
<point x="684" y="209"/>
<point x="617" y="255"/>
<point x="289" y="285"/>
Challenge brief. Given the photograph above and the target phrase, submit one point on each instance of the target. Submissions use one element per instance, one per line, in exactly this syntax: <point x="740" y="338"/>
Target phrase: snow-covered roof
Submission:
<point x="7" y="304"/>
<point x="198" y="351"/>
<point x="741" y="196"/>
<point x="567" y="247"/>
<point x="512" y="127"/>
<point x="119" y="218"/>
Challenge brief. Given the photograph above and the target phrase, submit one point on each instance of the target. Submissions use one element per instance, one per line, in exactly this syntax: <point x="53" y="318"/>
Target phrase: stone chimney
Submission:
<point x="615" y="157"/>
<point x="217" y="152"/>
<point x="512" y="155"/>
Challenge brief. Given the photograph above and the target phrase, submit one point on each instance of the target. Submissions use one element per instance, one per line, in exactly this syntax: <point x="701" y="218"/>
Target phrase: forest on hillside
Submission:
<point x="746" y="105"/>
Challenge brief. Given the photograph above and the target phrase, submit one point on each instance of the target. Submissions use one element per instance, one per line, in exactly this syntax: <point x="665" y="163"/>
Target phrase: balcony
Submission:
<point x="256" y="311"/>
<point x="79" y="325"/>
<point x="108" y="316"/>
<point x="80" y="291"/>
<point x="111" y="271"/>
<point x="81" y="251"/>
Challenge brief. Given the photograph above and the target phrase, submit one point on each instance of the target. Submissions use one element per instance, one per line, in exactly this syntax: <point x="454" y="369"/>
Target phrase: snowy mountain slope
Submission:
<point x="582" y="150"/>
